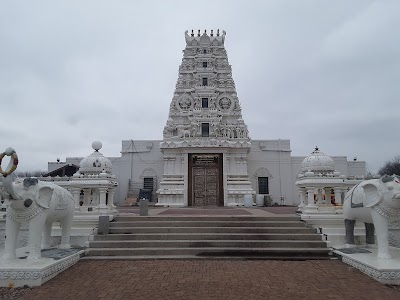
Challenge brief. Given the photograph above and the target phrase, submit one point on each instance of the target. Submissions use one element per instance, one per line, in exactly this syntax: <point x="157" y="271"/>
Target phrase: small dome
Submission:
<point x="95" y="163"/>
<point x="318" y="161"/>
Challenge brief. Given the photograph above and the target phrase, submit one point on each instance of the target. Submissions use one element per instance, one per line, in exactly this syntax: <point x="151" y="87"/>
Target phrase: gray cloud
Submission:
<point x="317" y="72"/>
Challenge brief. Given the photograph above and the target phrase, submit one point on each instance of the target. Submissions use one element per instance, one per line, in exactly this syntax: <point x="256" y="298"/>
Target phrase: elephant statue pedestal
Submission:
<point x="21" y="272"/>
<point x="386" y="271"/>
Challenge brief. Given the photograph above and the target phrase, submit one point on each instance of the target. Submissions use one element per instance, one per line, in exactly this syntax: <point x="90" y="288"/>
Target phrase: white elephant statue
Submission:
<point x="375" y="202"/>
<point x="40" y="204"/>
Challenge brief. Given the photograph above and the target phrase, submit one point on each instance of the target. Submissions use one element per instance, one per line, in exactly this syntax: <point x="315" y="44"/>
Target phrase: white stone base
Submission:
<point x="384" y="270"/>
<point x="331" y="225"/>
<point x="21" y="272"/>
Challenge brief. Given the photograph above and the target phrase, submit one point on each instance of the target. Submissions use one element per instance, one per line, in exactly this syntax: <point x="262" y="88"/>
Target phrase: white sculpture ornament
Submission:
<point x="375" y="202"/>
<point x="40" y="204"/>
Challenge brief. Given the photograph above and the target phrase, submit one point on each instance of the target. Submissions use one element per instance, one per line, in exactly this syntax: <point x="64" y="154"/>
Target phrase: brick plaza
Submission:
<point x="211" y="279"/>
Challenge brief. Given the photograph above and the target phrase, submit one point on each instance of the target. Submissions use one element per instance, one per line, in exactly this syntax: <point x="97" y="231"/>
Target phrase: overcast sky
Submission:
<point x="317" y="72"/>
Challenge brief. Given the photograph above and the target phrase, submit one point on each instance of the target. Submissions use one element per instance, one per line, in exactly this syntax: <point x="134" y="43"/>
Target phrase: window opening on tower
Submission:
<point x="204" y="102"/>
<point x="205" y="129"/>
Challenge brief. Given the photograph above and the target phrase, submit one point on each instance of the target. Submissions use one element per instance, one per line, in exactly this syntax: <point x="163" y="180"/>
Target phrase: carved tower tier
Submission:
<point x="205" y="141"/>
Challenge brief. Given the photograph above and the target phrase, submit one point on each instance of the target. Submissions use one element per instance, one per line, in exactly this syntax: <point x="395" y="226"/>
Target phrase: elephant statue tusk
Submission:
<point x="12" y="165"/>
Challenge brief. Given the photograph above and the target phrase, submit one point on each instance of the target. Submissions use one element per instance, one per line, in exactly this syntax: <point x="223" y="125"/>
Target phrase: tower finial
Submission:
<point x="217" y="32"/>
<point x="316" y="148"/>
<point x="198" y="33"/>
<point x="192" y="33"/>
<point x="212" y="33"/>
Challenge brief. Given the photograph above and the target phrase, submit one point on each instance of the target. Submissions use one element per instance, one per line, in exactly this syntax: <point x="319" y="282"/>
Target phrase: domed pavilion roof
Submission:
<point x="95" y="163"/>
<point x="318" y="162"/>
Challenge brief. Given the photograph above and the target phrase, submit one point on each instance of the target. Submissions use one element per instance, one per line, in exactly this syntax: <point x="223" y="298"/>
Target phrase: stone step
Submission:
<point x="208" y="236"/>
<point x="209" y="224"/>
<point x="204" y="218"/>
<point x="129" y="230"/>
<point x="208" y="244"/>
<point x="242" y="256"/>
<point x="210" y="252"/>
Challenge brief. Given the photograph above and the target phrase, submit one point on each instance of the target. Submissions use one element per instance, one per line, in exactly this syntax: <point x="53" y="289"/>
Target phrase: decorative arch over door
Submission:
<point x="148" y="172"/>
<point x="263" y="172"/>
<point x="263" y="176"/>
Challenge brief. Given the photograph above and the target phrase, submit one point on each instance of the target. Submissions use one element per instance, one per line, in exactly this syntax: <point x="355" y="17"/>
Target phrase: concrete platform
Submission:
<point x="383" y="270"/>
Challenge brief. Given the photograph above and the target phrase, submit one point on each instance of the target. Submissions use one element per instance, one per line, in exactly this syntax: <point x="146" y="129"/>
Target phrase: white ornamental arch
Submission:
<point x="148" y="172"/>
<point x="263" y="172"/>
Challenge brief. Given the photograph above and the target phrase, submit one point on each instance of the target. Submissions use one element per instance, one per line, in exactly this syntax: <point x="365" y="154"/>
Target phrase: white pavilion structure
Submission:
<point x="321" y="191"/>
<point x="321" y="186"/>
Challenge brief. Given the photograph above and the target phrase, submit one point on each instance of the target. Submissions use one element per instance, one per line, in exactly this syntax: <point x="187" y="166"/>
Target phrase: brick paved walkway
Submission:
<point x="166" y="279"/>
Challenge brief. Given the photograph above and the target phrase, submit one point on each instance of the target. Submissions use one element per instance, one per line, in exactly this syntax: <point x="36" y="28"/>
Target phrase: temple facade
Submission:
<point x="206" y="156"/>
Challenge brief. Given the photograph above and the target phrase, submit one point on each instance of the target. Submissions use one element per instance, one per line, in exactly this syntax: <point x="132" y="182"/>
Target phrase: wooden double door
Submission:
<point x="205" y="180"/>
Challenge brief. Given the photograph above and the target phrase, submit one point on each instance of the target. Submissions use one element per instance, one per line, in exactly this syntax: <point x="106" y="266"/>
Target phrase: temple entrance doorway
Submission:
<point x="205" y="180"/>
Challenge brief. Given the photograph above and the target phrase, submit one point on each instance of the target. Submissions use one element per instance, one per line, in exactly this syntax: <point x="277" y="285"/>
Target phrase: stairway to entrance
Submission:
<point x="208" y="237"/>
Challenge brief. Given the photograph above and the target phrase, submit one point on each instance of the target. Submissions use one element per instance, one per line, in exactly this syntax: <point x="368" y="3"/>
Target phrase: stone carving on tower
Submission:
<point x="204" y="114"/>
<point x="205" y="105"/>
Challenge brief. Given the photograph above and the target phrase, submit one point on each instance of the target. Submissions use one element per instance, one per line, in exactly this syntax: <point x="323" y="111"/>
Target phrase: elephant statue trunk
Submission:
<point x="7" y="185"/>
<point x="375" y="202"/>
<point x="39" y="204"/>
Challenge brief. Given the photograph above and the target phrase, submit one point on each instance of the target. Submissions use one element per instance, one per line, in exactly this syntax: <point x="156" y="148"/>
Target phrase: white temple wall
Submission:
<point x="356" y="168"/>
<point x="341" y="164"/>
<point x="296" y="166"/>
<point x="122" y="171"/>
<point x="51" y="166"/>
<point x="274" y="156"/>
<point x="139" y="159"/>
<point x="271" y="156"/>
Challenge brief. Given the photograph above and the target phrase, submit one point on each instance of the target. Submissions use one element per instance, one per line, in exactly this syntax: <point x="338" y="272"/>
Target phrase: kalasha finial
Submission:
<point x="96" y="145"/>
<point x="198" y="33"/>
<point x="192" y="33"/>
<point x="212" y="33"/>
<point x="217" y="32"/>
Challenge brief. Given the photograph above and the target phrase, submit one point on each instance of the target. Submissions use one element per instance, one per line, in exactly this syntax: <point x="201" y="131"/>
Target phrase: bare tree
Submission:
<point x="369" y="175"/>
<point x="36" y="173"/>
<point x="391" y="167"/>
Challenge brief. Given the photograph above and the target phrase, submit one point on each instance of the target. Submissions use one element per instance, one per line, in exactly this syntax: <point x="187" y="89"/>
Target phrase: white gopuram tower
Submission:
<point x="205" y="141"/>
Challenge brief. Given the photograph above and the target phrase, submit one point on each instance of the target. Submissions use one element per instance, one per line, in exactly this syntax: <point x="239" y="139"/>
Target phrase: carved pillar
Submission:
<point x="172" y="164"/>
<point x="76" y="193"/>
<point x="245" y="172"/>
<point x="228" y="162"/>
<point x="240" y="165"/>
<point x="110" y="203"/>
<point x="338" y="196"/>
<point x="235" y="166"/>
<point x="310" y="197"/>
<point x="319" y="196"/>
<point x="302" y="193"/>
<point x="169" y="164"/>
<point x="95" y="197"/>
<point x="87" y="195"/>
<point x="103" y="192"/>
<point x="166" y="164"/>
